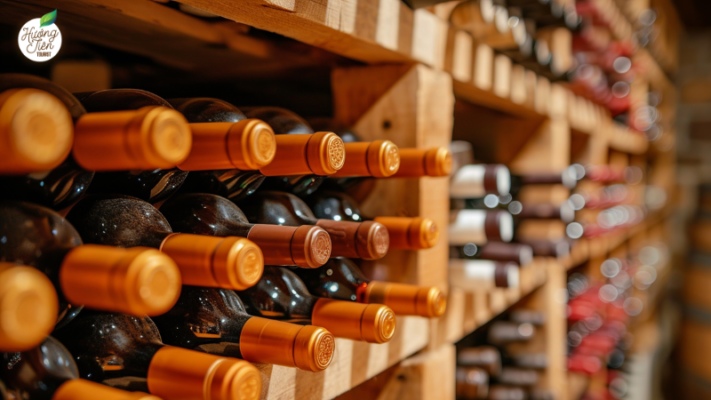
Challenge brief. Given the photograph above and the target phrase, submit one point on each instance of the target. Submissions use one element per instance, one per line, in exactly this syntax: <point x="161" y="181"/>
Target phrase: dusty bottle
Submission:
<point x="341" y="279"/>
<point x="139" y="281"/>
<point x="302" y="156"/>
<point x="206" y="214"/>
<point x="367" y="240"/>
<point x="214" y="321"/>
<point x="37" y="130"/>
<point x="29" y="306"/>
<point x="127" y="352"/>
<point x="281" y="295"/>
<point x="405" y="233"/>
<point x="239" y="143"/>
<point x="123" y="221"/>
<point x="48" y="372"/>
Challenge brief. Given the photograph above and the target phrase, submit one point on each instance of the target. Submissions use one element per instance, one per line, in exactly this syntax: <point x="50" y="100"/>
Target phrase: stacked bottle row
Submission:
<point x="493" y="231"/>
<point x="536" y="34"/>
<point x="499" y="361"/>
<point x="600" y="312"/>
<point x="187" y="238"/>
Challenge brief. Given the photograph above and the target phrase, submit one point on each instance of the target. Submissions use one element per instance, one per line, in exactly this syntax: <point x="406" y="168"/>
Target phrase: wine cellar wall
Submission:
<point x="371" y="199"/>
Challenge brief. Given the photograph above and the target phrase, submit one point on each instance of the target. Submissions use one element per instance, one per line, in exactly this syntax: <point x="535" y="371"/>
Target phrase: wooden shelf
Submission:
<point x="353" y="363"/>
<point x="577" y="385"/>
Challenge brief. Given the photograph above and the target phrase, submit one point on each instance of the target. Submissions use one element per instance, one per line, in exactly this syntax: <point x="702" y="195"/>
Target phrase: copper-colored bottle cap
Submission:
<point x="246" y="145"/>
<point x="410" y="233"/>
<point x="305" y="246"/>
<point x="176" y="373"/>
<point x="36" y="131"/>
<point x="230" y="262"/>
<point x="137" y="281"/>
<point x="81" y="389"/>
<point x="416" y="163"/>
<point x="148" y="138"/>
<point x="321" y="153"/>
<point x="28" y="307"/>
<point x="367" y="240"/>
<point x="373" y="323"/>
<point x="406" y="299"/>
<point x="379" y="159"/>
<point x="310" y="348"/>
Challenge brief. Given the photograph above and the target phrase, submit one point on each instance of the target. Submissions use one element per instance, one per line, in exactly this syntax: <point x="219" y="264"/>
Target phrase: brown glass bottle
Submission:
<point x="405" y="233"/>
<point x="126" y="352"/>
<point x="139" y="281"/>
<point x="214" y="321"/>
<point x="504" y="332"/>
<point x="41" y="114"/>
<point x="281" y="295"/>
<point x="516" y="376"/>
<point x="207" y="214"/>
<point x="123" y="221"/>
<point x="485" y="357"/>
<point x="341" y="279"/>
<point x="471" y="383"/>
<point x="521" y="254"/>
<point x="367" y="240"/>
<point x="29" y="307"/>
<point x="504" y="392"/>
<point x="48" y="372"/>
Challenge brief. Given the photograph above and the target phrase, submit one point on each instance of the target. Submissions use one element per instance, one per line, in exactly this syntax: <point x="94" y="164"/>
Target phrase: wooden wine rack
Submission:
<point x="419" y="73"/>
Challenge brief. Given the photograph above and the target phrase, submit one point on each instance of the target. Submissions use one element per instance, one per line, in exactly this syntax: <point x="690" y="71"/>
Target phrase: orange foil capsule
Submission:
<point x="181" y="374"/>
<point x="246" y="145"/>
<point x="415" y="163"/>
<point x="28" y="305"/>
<point x="373" y="323"/>
<point x="81" y="389"/>
<point x="148" y="138"/>
<point x="410" y="233"/>
<point x="231" y="262"/>
<point x="321" y="153"/>
<point x="137" y="281"/>
<point x="36" y="131"/>
<point x="379" y="159"/>
<point x="406" y="299"/>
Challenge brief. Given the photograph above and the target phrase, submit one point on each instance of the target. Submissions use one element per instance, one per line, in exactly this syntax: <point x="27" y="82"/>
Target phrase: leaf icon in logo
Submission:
<point x="48" y="19"/>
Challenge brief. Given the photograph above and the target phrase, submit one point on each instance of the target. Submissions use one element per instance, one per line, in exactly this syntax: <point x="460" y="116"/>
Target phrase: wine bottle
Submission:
<point x="368" y="240"/>
<point x="341" y="279"/>
<point x="206" y="214"/>
<point x="281" y="295"/>
<point x="523" y="316"/>
<point x="138" y="281"/>
<point x="234" y="143"/>
<point x="548" y="248"/>
<point x="503" y="392"/>
<point x="479" y="227"/>
<point x="123" y="221"/>
<point x="504" y="332"/>
<point x="471" y="383"/>
<point x="485" y="357"/>
<point x="477" y="180"/>
<point x="36" y="129"/>
<point x="518" y="376"/>
<point x="528" y="360"/>
<point x="405" y="233"/>
<point x="126" y="352"/>
<point x="483" y="274"/>
<point x="494" y="251"/>
<point x="29" y="307"/>
<point x="48" y="372"/>
<point x="215" y="321"/>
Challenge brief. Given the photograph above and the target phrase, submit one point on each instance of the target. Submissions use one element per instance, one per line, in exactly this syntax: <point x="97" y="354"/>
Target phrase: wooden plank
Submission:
<point x="353" y="363"/>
